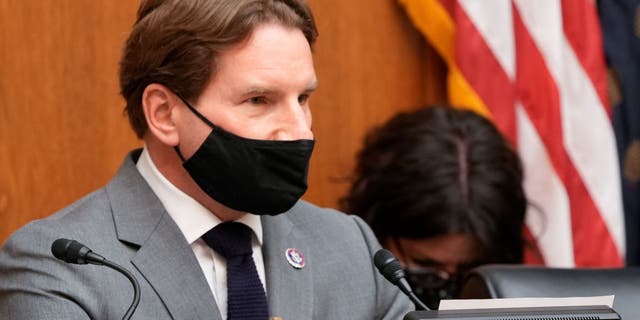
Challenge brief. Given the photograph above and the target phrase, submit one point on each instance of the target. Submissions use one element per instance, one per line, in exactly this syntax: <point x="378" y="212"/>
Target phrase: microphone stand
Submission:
<point x="136" y="287"/>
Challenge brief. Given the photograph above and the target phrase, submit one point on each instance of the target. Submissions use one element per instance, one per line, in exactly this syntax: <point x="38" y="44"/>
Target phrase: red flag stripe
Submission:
<point x="539" y="95"/>
<point x="475" y="67"/>
<point x="579" y="17"/>
<point x="449" y="6"/>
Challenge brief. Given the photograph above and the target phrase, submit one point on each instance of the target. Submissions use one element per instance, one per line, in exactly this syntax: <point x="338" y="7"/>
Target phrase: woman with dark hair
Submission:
<point x="442" y="189"/>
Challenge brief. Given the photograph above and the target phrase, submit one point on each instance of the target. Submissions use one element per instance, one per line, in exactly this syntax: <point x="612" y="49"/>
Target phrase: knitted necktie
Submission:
<point x="246" y="298"/>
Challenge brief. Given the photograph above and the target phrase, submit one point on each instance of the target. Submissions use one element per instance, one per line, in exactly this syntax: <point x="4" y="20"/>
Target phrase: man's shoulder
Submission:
<point x="80" y="218"/>
<point x="328" y="223"/>
<point x="308" y="213"/>
<point x="83" y="210"/>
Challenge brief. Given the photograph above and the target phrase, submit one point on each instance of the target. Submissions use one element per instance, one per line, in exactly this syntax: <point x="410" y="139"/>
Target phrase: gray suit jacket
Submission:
<point x="126" y="223"/>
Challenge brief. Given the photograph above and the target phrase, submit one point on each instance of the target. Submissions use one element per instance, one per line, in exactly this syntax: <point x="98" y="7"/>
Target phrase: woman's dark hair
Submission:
<point x="437" y="171"/>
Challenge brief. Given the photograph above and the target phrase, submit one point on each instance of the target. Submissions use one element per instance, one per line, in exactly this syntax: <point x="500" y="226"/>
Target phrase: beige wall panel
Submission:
<point x="63" y="134"/>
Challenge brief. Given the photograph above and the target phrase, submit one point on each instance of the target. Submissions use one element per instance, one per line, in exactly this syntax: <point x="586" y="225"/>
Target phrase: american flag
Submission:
<point x="536" y="68"/>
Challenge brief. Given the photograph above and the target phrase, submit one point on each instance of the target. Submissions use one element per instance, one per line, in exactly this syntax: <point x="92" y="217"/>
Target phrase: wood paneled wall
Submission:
<point x="63" y="133"/>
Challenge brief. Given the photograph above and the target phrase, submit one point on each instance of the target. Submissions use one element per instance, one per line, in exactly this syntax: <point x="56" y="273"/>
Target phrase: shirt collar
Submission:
<point x="192" y="218"/>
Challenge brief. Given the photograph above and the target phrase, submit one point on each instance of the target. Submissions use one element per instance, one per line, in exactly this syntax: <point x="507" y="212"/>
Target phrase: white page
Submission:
<point x="461" y="304"/>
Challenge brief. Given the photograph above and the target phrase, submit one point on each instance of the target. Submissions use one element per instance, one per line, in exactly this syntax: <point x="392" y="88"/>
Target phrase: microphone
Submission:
<point x="391" y="269"/>
<point x="72" y="251"/>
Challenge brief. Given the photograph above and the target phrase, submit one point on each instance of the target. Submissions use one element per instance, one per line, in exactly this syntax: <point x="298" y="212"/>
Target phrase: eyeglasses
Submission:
<point x="429" y="277"/>
<point x="433" y="276"/>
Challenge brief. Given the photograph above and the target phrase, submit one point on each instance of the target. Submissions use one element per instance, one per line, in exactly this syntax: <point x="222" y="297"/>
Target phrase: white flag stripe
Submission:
<point x="494" y="21"/>
<point x="587" y="131"/>
<point x="551" y="224"/>
<point x="590" y="142"/>
<point x="543" y="20"/>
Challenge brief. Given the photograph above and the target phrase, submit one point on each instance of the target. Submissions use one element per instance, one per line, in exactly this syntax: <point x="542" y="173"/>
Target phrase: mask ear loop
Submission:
<point x="199" y="115"/>
<point x="179" y="153"/>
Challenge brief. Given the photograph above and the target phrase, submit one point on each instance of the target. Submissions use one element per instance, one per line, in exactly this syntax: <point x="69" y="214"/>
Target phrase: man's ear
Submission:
<point x="159" y="105"/>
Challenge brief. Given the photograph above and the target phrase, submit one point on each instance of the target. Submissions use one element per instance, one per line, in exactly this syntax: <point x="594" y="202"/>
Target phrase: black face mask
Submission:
<point x="261" y="177"/>
<point x="431" y="286"/>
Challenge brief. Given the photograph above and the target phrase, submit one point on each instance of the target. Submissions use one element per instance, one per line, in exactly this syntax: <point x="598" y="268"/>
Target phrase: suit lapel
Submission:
<point x="167" y="262"/>
<point x="290" y="290"/>
<point x="165" y="259"/>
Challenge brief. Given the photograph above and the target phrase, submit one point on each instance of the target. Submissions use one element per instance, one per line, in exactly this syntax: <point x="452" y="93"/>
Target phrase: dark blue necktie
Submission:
<point x="246" y="299"/>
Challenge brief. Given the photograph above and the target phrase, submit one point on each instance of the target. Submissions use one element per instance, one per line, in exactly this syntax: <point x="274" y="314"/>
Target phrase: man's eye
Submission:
<point x="257" y="100"/>
<point x="303" y="98"/>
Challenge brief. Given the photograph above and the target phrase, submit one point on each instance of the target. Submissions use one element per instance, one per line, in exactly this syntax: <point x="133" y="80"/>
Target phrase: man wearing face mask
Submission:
<point x="207" y="216"/>
<point x="442" y="190"/>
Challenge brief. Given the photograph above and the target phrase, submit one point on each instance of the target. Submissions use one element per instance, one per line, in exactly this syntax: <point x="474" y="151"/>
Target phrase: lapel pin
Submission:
<point x="295" y="258"/>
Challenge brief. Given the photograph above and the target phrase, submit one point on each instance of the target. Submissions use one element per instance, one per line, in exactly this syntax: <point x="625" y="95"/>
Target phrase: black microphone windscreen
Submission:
<point x="382" y="257"/>
<point x="388" y="265"/>
<point x="59" y="248"/>
<point x="67" y="250"/>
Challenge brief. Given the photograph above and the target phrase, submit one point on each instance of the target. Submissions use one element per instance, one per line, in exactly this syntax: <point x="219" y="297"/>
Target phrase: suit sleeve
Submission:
<point x="391" y="302"/>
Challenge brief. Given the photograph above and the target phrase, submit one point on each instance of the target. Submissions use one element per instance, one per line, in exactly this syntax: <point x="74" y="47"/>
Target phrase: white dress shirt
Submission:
<point x="194" y="220"/>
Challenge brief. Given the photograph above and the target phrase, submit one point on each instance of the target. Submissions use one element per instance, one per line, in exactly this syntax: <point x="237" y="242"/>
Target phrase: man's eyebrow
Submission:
<point x="312" y="87"/>
<point x="258" y="91"/>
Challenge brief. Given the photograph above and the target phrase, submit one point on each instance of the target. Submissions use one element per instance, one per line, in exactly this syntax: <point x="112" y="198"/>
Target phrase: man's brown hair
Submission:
<point x="176" y="42"/>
